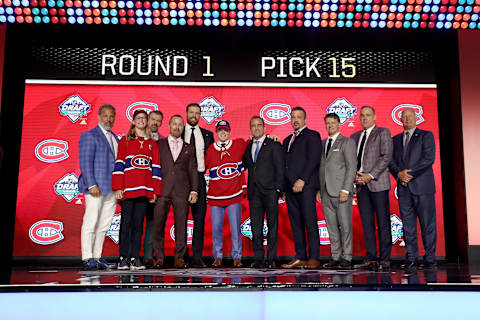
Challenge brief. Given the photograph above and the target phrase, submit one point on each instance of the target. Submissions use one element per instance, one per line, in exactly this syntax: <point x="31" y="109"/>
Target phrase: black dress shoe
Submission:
<point x="345" y="264"/>
<point x="271" y="265"/>
<point x="366" y="264"/>
<point x="409" y="266"/>
<point x="426" y="265"/>
<point x="198" y="263"/>
<point x="257" y="264"/>
<point x="332" y="264"/>
<point x="383" y="265"/>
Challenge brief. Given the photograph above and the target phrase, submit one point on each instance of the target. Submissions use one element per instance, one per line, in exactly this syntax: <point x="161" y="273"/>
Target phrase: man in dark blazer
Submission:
<point x="264" y="160"/>
<point x="337" y="174"/>
<point x="201" y="139"/>
<point x="374" y="153"/>
<point x="411" y="166"/>
<point x="179" y="188"/>
<point x="302" y="151"/>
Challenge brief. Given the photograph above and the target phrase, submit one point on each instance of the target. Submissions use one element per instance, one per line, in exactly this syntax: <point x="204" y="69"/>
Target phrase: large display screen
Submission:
<point x="50" y="209"/>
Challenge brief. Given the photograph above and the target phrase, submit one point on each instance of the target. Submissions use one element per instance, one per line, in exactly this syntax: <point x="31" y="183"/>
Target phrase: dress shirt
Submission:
<point x="254" y="146"/>
<point x="369" y="130"/>
<point x="334" y="137"/>
<point x="293" y="136"/>
<point x="175" y="145"/>
<point x="199" y="145"/>
<point x="111" y="139"/>
<point x="410" y="133"/>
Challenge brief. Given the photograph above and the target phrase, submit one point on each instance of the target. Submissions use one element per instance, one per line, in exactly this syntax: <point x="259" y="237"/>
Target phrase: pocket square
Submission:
<point x="336" y="150"/>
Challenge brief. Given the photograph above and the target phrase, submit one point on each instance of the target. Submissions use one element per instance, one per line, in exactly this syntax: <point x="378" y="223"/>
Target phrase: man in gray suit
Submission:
<point x="374" y="153"/>
<point x="337" y="174"/>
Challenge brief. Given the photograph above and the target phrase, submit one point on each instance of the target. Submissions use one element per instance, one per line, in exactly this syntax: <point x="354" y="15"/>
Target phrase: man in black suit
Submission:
<point x="201" y="139"/>
<point x="302" y="151"/>
<point x="264" y="160"/>
<point x="411" y="166"/>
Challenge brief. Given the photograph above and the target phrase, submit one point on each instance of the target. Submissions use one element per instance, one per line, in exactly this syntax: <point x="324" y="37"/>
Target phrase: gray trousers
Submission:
<point x="339" y="225"/>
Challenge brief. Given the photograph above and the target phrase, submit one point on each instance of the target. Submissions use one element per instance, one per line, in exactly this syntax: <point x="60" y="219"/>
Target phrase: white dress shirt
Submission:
<point x="111" y="140"/>
<point x="369" y="130"/>
<point x="334" y="137"/>
<point x="199" y="145"/>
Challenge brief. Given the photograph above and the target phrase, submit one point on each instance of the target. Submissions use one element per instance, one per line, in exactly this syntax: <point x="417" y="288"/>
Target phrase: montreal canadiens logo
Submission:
<point x="397" y="113"/>
<point x="275" y="113"/>
<point x="67" y="186"/>
<point x="211" y="109"/>
<point x="46" y="232"/>
<point x="51" y="150"/>
<point x="397" y="229"/>
<point x="323" y="232"/>
<point x="141" y="105"/>
<point x="114" y="230"/>
<point x="189" y="232"/>
<point x="74" y="108"/>
<point x="343" y="108"/>
<point x="141" y="162"/>
<point x="228" y="171"/>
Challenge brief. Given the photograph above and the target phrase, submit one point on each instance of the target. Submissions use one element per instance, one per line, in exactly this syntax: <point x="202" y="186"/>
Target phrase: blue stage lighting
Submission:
<point x="79" y="12"/>
<point x="240" y="22"/>
<point x="349" y="24"/>
<point x="182" y="13"/>
<point x="265" y="7"/>
<point x="139" y="21"/>
<point x="359" y="8"/>
<point x="274" y="23"/>
<point x="182" y="22"/>
<point x="155" y="5"/>
<point x="87" y="4"/>
<point x="249" y="23"/>
<point x="340" y="24"/>
<point x="114" y="20"/>
<point x="373" y="24"/>
<point x="406" y="24"/>
<point x="316" y="15"/>
<point x="216" y="22"/>
<point x="164" y="5"/>
<point x="439" y="25"/>
<point x="216" y="14"/>
<point x="139" y="12"/>
<point x="72" y="20"/>
<point x="106" y="20"/>
<point x="382" y="24"/>
<point x="374" y="16"/>
<point x="81" y="20"/>
<point x="96" y="4"/>
<point x="316" y="23"/>
<point x="249" y="15"/>
<point x="307" y="23"/>
<point x="173" y="13"/>
<point x="208" y="14"/>
<point x="341" y="16"/>
<point x="147" y="13"/>
<point x="198" y="5"/>
<point x="44" y="19"/>
<point x="173" y="21"/>
<point x="257" y="6"/>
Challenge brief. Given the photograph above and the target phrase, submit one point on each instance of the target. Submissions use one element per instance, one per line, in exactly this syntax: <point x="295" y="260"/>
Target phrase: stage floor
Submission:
<point x="444" y="277"/>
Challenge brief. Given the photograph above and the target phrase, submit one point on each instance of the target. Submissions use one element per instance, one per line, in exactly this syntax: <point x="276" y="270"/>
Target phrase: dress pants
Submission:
<point x="148" y="236"/>
<point x="234" y="212"/>
<point x="199" y="210"/>
<point x="423" y="207"/>
<point x="180" y="211"/>
<point x="302" y="213"/>
<point x="97" y="220"/>
<point x="338" y="217"/>
<point x="131" y="226"/>
<point x="262" y="203"/>
<point x="377" y="204"/>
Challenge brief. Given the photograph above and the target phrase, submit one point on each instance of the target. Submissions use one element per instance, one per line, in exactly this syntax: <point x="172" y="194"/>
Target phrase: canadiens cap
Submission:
<point x="222" y="124"/>
<point x="138" y="111"/>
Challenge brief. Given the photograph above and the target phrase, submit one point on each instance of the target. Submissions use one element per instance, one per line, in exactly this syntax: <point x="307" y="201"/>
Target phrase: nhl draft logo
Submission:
<point x="74" y="108"/>
<point x="67" y="186"/>
<point x="246" y="229"/>
<point x="46" y="232"/>
<point x="397" y="229"/>
<point x="275" y="113"/>
<point x="142" y="105"/>
<point x="51" y="150"/>
<point x="323" y="232"/>
<point x="114" y="231"/>
<point x="211" y="109"/>
<point x="189" y="232"/>
<point x="344" y="109"/>
<point x="397" y="113"/>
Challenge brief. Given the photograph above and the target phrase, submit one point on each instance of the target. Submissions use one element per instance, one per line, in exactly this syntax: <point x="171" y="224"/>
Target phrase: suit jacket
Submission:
<point x="303" y="159"/>
<point x="267" y="172"/>
<point x="97" y="161"/>
<point x="377" y="154"/>
<point x="179" y="177"/>
<point x="420" y="156"/>
<point x="208" y="138"/>
<point x="337" y="171"/>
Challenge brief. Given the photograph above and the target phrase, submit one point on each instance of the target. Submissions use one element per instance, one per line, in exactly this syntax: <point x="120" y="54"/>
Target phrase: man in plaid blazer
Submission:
<point x="374" y="153"/>
<point x="97" y="152"/>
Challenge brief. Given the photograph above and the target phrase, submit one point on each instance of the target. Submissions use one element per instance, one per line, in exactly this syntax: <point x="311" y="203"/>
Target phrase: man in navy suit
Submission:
<point x="97" y="152"/>
<point x="302" y="151"/>
<point x="413" y="157"/>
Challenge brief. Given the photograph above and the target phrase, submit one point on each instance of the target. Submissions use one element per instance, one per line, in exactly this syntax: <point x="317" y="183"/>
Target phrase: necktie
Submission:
<point x="360" y="151"/>
<point x="192" y="138"/>
<point x="257" y="148"/>
<point x="295" y="134"/>
<point x="110" y="141"/>
<point x="329" y="145"/>
<point x="405" y="145"/>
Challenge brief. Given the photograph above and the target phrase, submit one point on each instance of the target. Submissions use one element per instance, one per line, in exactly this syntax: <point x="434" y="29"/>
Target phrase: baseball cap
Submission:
<point x="138" y="111"/>
<point x="222" y="124"/>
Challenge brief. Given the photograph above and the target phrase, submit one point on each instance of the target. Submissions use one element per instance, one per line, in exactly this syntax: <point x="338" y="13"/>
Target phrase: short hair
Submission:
<point x="369" y="107"/>
<point x="193" y="104"/>
<point x="256" y="117"/>
<point x="106" y="106"/>
<point x="157" y="112"/>
<point x="300" y="109"/>
<point x="175" y="116"/>
<point x="333" y="116"/>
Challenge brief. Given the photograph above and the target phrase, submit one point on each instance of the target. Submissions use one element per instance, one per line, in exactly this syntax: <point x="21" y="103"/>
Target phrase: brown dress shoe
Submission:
<point x="148" y="263"/>
<point x="217" y="263"/>
<point x="158" y="264"/>
<point x="312" y="264"/>
<point x="237" y="263"/>
<point x="180" y="264"/>
<point x="295" y="263"/>
<point x="366" y="264"/>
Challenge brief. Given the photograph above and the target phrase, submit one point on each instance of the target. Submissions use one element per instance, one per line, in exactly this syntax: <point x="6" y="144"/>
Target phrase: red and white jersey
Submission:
<point x="137" y="168"/>
<point x="226" y="173"/>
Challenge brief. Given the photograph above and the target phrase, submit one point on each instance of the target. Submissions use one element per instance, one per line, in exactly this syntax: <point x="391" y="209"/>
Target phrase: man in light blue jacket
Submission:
<point x="97" y="153"/>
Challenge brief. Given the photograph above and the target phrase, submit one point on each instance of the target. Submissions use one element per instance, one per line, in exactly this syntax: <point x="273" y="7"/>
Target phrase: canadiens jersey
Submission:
<point x="137" y="168"/>
<point x="226" y="173"/>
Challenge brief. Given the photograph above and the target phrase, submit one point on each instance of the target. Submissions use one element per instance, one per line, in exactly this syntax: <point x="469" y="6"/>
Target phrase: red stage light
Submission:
<point x="424" y="16"/>
<point x="333" y="15"/>
<point x="398" y="24"/>
<point x="89" y="20"/>
<point x="181" y="5"/>
<point x="233" y="14"/>
<point x="147" y="5"/>
<point x="198" y="13"/>
<point x="206" y="6"/>
<point x="350" y="7"/>
<point x="324" y="15"/>
<point x="265" y="15"/>
<point x="399" y="16"/>
<point x="391" y="16"/>
<point x="156" y="13"/>
<point x="33" y="3"/>
<point x="431" y="24"/>
<point x="249" y="6"/>
<point x="409" y="8"/>
<point x="275" y="7"/>
<point x="18" y="11"/>
<point x="198" y="22"/>
<point x="366" y="16"/>
<point x="308" y="7"/>
<point x="299" y="15"/>
<point x="98" y="20"/>
<point x="324" y="23"/>
<point x="43" y="3"/>
<point x="20" y="19"/>
<point x="291" y="15"/>
<point x="390" y="24"/>
<point x="215" y="6"/>
<point x="452" y="9"/>
<point x="53" y="11"/>
<point x="257" y="14"/>
<point x="138" y="4"/>
<point x="63" y="20"/>
<point x="290" y="23"/>
<point x="61" y="11"/>
<point x="266" y="23"/>
<point x="165" y="22"/>
<point x="343" y="1"/>
<point x="365" y="24"/>
<point x="443" y="9"/>
<point x="445" y="1"/>
<point x="299" y="23"/>
<point x="130" y="12"/>
<point x="458" y="17"/>
<point x="423" y="24"/>
<point x="96" y="12"/>
<point x="342" y="7"/>
<point x="223" y="14"/>
<point x="157" y="21"/>
<point x="165" y="13"/>
<point x="122" y="20"/>
<point x="257" y="23"/>
<point x="376" y="8"/>
<point x="384" y="8"/>
<point x="464" y="25"/>
<point x="418" y="8"/>
<point x="27" y="11"/>
<point x="332" y="23"/>
<point x="456" y="25"/>
<point x="357" y="24"/>
<point x="28" y="19"/>
<point x="111" y="4"/>
<point x="172" y="5"/>
<point x="88" y="12"/>
<point x="358" y="16"/>
<point x="232" y="22"/>
<point x="69" y="3"/>
<point x="103" y="4"/>
<point x="433" y="17"/>
<point x="476" y="9"/>
<point x="316" y="7"/>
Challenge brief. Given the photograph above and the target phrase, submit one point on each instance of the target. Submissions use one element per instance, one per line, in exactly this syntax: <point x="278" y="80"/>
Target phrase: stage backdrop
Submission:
<point x="50" y="209"/>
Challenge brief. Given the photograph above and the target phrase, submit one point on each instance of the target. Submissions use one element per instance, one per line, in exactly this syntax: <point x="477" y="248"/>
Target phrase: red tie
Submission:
<point x="295" y="134"/>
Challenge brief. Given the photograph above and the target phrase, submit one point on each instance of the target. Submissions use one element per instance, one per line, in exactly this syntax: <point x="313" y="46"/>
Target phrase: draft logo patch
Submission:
<point x="211" y="109"/>
<point x="114" y="231"/>
<point x="343" y="108"/>
<point x="74" y="108"/>
<point x="67" y="186"/>
<point x="397" y="229"/>
<point x="246" y="230"/>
